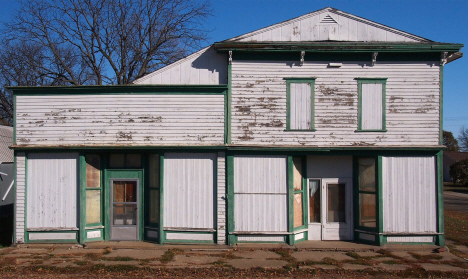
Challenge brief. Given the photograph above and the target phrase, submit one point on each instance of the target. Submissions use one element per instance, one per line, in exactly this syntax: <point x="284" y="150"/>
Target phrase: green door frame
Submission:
<point x="123" y="174"/>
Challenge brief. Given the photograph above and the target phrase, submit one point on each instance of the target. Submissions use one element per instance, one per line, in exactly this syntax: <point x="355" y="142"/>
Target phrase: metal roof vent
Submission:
<point x="328" y="20"/>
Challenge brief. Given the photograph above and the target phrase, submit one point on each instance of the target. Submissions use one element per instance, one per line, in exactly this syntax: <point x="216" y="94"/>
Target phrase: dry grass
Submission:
<point x="456" y="226"/>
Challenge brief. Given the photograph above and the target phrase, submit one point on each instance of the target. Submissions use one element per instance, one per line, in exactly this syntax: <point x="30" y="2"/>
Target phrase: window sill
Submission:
<point x="371" y="131"/>
<point x="300" y="130"/>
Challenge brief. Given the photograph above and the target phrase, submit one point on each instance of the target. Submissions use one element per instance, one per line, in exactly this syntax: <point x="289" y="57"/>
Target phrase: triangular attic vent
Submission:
<point x="328" y="20"/>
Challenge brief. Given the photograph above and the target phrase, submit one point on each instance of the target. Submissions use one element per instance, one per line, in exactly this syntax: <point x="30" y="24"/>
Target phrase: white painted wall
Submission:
<point x="371" y="115"/>
<point x="133" y="119"/>
<point x="20" y="205"/>
<point x="189" y="190"/>
<point x="202" y="67"/>
<point x="52" y="191"/>
<point x="259" y="104"/>
<point x="260" y="194"/>
<point x="409" y="194"/>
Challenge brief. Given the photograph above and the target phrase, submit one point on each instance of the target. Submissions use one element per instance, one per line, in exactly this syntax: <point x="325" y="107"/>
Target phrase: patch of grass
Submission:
<point x="92" y="256"/>
<point x="169" y="255"/>
<point x="107" y="251"/>
<point x="353" y="255"/>
<point x="456" y="252"/>
<point x="286" y="255"/>
<point x="119" y="259"/>
<point x="359" y="260"/>
<point x="456" y="226"/>
<point x="392" y="262"/>
<point x="425" y="257"/>
<point x="121" y="268"/>
<point x="81" y="262"/>
<point x="330" y="261"/>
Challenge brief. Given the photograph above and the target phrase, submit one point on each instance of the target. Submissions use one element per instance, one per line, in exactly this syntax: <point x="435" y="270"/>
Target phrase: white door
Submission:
<point x="330" y="209"/>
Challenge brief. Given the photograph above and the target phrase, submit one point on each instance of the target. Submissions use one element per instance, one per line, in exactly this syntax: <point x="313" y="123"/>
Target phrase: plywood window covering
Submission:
<point x="371" y="114"/>
<point x="367" y="192"/>
<point x="93" y="189"/>
<point x="300" y="103"/>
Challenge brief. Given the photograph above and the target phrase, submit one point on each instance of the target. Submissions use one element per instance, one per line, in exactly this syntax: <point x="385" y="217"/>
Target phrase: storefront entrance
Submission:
<point x="330" y="209"/>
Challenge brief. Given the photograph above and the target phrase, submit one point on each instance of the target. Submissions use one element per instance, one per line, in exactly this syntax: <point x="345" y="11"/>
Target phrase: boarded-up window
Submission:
<point x="189" y="190"/>
<point x="367" y="193"/>
<point x="260" y="194"/>
<point x="300" y="104"/>
<point x="371" y="104"/>
<point x="298" y="192"/>
<point x="52" y="188"/>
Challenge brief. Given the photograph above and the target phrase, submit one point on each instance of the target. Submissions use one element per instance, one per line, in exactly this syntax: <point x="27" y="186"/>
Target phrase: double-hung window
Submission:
<point x="371" y="111"/>
<point x="300" y="104"/>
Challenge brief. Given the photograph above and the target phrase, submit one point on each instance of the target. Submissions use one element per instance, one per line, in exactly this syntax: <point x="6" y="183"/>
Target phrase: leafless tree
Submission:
<point x="95" y="42"/>
<point x="109" y="41"/>
<point x="463" y="139"/>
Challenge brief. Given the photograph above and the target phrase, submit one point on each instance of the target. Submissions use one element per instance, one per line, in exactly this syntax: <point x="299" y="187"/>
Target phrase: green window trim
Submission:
<point x="289" y="81"/>
<point x="362" y="81"/>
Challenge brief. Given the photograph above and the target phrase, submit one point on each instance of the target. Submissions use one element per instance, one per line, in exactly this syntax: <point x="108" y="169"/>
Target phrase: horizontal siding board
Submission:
<point x="110" y="119"/>
<point x="409" y="195"/>
<point x="259" y="103"/>
<point x="20" y="196"/>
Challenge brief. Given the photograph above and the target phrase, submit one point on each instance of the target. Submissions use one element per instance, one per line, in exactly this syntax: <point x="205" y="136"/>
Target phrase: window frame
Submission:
<point x="382" y="81"/>
<point x="311" y="81"/>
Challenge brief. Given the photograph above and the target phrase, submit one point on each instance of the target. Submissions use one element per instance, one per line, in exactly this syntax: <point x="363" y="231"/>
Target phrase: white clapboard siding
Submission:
<point x="409" y="194"/>
<point x="20" y="215"/>
<point x="221" y="198"/>
<point x="259" y="104"/>
<point x="328" y="25"/>
<point x="300" y="102"/>
<point x="189" y="190"/>
<point x="138" y="119"/>
<point x="202" y="67"/>
<point x="260" y="194"/>
<point x="52" y="188"/>
<point x="371" y="115"/>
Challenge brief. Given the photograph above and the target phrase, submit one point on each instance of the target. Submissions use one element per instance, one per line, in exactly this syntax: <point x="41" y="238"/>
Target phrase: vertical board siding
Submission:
<point x="259" y="104"/>
<point x="52" y="181"/>
<point x="20" y="213"/>
<point x="260" y="194"/>
<point x="300" y="117"/>
<point x="221" y="199"/>
<point x="409" y="194"/>
<point x="189" y="182"/>
<point x="200" y="68"/>
<point x="139" y="119"/>
<point x="371" y="113"/>
<point x="326" y="25"/>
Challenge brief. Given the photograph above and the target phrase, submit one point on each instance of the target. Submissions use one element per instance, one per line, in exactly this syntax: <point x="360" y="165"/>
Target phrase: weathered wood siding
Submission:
<point x="133" y="119"/>
<point x="202" y="67"/>
<point x="371" y="114"/>
<point x="260" y="194"/>
<point x="409" y="194"/>
<point x="300" y="106"/>
<point x="328" y="24"/>
<point x="189" y="190"/>
<point x="221" y="198"/>
<point x="259" y="104"/>
<point x="20" y="215"/>
<point x="52" y="191"/>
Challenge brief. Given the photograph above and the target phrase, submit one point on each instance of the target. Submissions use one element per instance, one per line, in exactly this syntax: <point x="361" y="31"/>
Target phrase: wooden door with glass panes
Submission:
<point x="330" y="209"/>
<point x="124" y="209"/>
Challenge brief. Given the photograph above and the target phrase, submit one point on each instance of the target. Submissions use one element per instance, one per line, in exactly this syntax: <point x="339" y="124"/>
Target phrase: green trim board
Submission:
<point x="440" y="239"/>
<point x="15" y="153"/>
<point x="25" y="197"/>
<point x="380" y="219"/>
<point x="290" y="181"/>
<point x="161" y="235"/>
<point x="362" y="81"/>
<point x="120" y="89"/>
<point x="228" y="106"/>
<point x="289" y="81"/>
<point x="82" y="197"/>
<point x="441" y="103"/>
<point x="337" y="46"/>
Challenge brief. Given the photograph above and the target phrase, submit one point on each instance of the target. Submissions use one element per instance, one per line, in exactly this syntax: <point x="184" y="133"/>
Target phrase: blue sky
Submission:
<point x="441" y="21"/>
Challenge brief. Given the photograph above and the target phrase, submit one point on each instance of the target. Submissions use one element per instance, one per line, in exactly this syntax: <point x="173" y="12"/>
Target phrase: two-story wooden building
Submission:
<point x="324" y="127"/>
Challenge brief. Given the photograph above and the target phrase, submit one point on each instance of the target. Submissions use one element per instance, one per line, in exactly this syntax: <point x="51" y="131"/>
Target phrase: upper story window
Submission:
<point x="300" y="104"/>
<point x="371" y="108"/>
